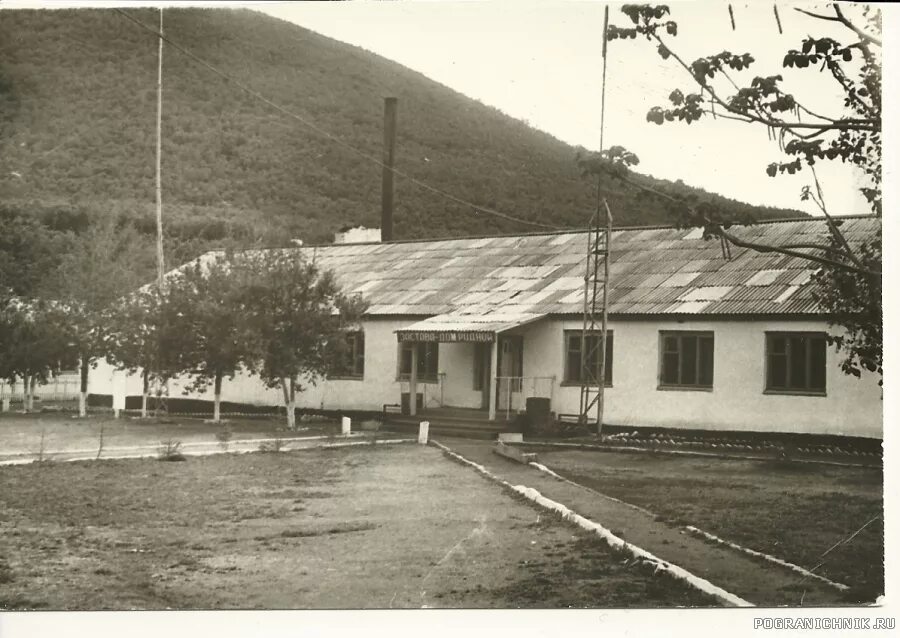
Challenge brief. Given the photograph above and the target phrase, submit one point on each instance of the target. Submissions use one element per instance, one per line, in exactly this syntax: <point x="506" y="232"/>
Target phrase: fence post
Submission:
<point x="423" y="433"/>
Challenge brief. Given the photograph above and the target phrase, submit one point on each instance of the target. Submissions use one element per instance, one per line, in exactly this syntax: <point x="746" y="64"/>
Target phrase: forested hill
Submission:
<point x="77" y="125"/>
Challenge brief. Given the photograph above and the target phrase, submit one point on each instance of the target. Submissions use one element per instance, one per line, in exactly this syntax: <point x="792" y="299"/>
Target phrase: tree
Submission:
<point x="28" y="250"/>
<point x="848" y="281"/>
<point x="104" y="263"/>
<point x="34" y="343"/>
<point x="210" y="305"/>
<point x="141" y="335"/>
<point x="300" y="318"/>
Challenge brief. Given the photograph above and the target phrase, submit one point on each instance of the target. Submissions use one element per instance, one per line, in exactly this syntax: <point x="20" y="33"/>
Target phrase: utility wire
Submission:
<point x="476" y="208"/>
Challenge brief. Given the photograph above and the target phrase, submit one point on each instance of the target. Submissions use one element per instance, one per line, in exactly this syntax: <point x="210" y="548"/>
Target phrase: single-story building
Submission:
<point x="695" y="341"/>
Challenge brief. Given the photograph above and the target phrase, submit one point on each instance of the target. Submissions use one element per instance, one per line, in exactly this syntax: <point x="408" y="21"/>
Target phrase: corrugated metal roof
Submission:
<point x="487" y="321"/>
<point x="652" y="271"/>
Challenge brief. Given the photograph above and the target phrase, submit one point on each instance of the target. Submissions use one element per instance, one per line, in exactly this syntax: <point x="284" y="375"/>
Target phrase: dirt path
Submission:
<point x="752" y="580"/>
<point x="392" y="526"/>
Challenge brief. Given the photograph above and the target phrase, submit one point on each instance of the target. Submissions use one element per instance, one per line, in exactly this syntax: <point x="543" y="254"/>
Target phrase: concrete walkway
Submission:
<point x="754" y="580"/>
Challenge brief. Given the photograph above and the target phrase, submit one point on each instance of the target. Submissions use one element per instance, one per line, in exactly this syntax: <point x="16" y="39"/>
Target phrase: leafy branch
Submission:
<point x="617" y="161"/>
<point x="852" y="136"/>
<point x="847" y="284"/>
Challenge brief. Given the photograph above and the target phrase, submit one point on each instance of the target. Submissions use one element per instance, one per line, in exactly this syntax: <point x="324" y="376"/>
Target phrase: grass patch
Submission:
<point x="789" y="510"/>
<point x="6" y="575"/>
<point x="593" y="572"/>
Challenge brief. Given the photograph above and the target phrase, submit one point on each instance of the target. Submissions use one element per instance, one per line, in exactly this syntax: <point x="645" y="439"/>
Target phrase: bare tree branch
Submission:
<point x="818" y="16"/>
<point x="739" y="119"/>
<point x="832" y="226"/>
<point x="717" y="229"/>
<point x="766" y="248"/>
<point x="809" y="136"/>
<point x="827" y="249"/>
<point x="809" y="112"/>
<point x="862" y="34"/>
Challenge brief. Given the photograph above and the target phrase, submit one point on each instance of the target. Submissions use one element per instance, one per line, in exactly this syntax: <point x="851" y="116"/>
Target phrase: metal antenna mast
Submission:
<point x="596" y="292"/>
<point x="160" y="258"/>
<point x="160" y="261"/>
<point x="595" y="319"/>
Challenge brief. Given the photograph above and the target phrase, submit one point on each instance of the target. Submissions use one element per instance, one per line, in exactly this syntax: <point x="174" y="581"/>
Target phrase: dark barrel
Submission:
<point x="537" y="410"/>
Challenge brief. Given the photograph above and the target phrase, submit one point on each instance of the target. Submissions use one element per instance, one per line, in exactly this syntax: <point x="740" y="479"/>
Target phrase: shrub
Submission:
<point x="41" y="455"/>
<point x="275" y="445"/>
<point x="224" y="437"/>
<point x="170" y="450"/>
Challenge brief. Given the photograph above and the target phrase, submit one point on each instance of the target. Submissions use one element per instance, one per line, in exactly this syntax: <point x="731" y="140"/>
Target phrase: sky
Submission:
<point x="541" y="62"/>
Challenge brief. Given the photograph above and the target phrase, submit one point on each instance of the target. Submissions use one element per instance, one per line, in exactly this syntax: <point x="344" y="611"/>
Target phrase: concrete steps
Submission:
<point x="451" y="423"/>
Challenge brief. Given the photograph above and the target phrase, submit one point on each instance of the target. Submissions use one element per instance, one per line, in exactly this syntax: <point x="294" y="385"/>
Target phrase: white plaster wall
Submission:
<point x="378" y="386"/>
<point x="852" y="406"/>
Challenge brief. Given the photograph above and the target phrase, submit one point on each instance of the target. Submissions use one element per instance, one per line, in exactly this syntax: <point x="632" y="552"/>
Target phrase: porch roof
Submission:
<point x="466" y="326"/>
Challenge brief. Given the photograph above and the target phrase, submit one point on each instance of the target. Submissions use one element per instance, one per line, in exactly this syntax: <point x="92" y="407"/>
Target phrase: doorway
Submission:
<point x="482" y="369"/>
<point x="510" y="351"/>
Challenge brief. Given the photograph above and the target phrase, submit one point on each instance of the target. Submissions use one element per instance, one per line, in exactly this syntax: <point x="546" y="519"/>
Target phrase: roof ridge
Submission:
<point x="567" y="231"/>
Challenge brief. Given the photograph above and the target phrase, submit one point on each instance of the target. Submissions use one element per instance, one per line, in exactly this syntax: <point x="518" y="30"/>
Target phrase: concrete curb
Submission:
<point x="138" y="451"/>
<point x="599" y="447"/>
<point x="547" y="470"/>
<point x="189" y="444"/>
<point x="611" y="539"/>
<point x="768" y="557"/>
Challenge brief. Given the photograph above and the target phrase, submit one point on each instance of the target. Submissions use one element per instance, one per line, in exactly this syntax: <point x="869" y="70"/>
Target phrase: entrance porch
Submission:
<point x="470" y="423"/>
<point x="480" y="381"/>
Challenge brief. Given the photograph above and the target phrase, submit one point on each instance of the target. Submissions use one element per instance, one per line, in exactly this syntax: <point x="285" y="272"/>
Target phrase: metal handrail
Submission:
<point x="520" y="387"/>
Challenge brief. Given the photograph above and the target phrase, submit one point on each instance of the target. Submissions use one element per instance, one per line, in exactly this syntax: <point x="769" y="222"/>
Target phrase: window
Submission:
<point x="795" y="362"/>
<point x="573" y="370"/>
<point x="686" y="360"/>
<point x="426" y="358"/>
<point x="353" y="357"/>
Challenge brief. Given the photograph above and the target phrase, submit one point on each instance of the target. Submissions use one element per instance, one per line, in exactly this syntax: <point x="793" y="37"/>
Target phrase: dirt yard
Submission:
<point x="794" y="511"/>
<point x="366" y="527"/>
<point x="23" y="433"/>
